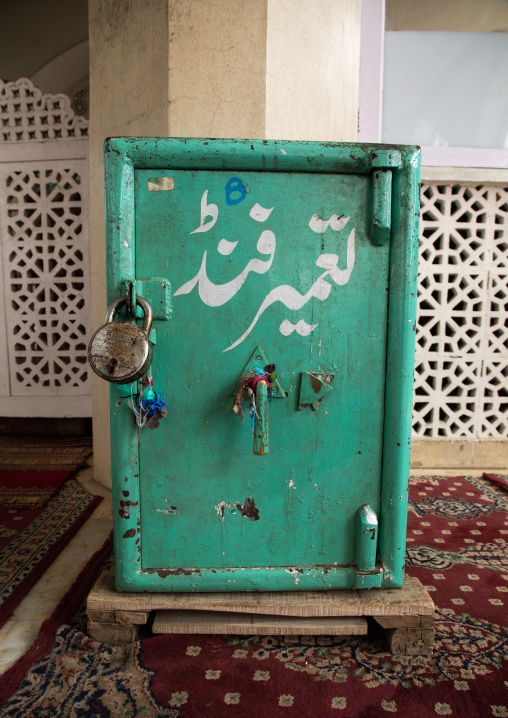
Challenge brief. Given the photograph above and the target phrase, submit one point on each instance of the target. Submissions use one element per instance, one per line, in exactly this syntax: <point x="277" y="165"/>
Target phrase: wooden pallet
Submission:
<point x="406" y="614"/>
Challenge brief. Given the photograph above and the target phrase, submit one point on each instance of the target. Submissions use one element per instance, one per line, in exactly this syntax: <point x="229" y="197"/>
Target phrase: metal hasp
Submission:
<point x="121" y="352"/>
<point x="261" y="436"/>
<point x="156" y="291"/>
<point x="300" y="255"/>
<point x="258" y="360"/>
<point x="313" y="389"/>
<point x="383" y="162"/>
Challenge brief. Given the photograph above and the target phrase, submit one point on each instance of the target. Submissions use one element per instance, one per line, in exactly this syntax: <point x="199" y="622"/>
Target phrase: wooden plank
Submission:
<point x="131" y="617"/>
<point x="114" y="634"/>
<point x="427" y="621"/>
<point x="138" y="618"/>
<point x="213" y="622"/>
<point x="410" y="641"/>
<point x="404" y="621"/>
<point x="410" y="600"/>
<point x="100" y="616"/>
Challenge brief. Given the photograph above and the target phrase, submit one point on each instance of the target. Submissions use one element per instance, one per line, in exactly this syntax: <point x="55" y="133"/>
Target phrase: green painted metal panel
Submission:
<point x="286" y="248"/>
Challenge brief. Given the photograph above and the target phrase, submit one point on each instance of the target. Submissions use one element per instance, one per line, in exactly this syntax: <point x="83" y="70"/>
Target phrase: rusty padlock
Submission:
<point x="120" y="351"/>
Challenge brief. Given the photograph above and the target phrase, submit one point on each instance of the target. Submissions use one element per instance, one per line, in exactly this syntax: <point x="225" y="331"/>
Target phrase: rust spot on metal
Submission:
<point x="248" y="509"/>
<point x="125" y="510"/>
<point x="165" y="572"/>
<point x="261" y="451"/>
<point x="125" y="493"/>
<point x="315" y="383"/>
<point x="130" y="533"/>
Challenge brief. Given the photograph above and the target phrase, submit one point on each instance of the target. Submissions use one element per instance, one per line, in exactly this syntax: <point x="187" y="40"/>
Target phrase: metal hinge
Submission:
<point x="156" y="291"/>
<point x="383" y="164"/>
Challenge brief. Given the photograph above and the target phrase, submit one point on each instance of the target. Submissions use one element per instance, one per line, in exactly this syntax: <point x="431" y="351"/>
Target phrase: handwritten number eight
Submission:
<point x="234" y="186"/>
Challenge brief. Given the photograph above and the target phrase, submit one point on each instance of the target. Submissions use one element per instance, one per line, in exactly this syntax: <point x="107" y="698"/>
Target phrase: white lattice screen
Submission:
<point x="461" y="377"/>
<point x="28" y="115"/>
<point x="44" y="262"/>
<point x="45" y="254"/>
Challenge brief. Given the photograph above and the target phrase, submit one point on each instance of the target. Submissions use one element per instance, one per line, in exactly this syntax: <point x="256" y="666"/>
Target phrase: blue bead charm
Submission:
<point x="148" y="407"/>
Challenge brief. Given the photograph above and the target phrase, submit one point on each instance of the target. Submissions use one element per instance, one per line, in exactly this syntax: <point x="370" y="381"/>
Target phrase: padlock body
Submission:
<point x="120" y="352"/>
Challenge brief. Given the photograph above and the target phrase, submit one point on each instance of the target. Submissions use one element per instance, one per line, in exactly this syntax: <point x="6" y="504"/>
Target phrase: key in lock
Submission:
<point x="120" y="351"/>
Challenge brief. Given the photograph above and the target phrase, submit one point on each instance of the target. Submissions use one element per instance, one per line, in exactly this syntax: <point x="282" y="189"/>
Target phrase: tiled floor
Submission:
<point x="20" y="631"/>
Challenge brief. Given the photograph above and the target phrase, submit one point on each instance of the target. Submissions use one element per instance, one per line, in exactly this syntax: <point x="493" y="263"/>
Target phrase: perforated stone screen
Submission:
<point x="461" y="375"/>
<point x="44" y="265"/>
<point x="44" y="259"/>
<point x="27" y="115"/>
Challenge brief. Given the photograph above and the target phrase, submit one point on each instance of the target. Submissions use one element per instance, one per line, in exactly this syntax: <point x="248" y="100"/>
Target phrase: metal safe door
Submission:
<point x="264" y="267"/>
<point x="283" y="263"/>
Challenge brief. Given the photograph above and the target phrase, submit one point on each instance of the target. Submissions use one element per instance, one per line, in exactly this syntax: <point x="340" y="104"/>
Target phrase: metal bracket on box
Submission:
<point x="156" y="291"/>
<point x="383" y="164"/>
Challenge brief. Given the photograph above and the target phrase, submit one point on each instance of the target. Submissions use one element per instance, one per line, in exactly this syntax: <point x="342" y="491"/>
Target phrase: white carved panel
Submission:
<point x="28" y="115"/>
<point x="44" y="255"/>
<point x="462" y="335"/>
<point x="45" y="258"/>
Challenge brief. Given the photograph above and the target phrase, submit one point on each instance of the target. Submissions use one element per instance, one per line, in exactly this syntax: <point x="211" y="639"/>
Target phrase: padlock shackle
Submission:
<point x="147" y="311"/>
<point x="113" y="308"/>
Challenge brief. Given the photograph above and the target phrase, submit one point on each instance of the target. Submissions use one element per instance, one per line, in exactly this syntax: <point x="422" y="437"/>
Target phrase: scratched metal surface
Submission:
<point x="256" y="276"/>
<point x="307" y="488"/>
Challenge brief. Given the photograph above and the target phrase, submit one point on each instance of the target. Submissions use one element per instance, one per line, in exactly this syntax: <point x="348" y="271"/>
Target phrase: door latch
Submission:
<point x="383" y="164"/>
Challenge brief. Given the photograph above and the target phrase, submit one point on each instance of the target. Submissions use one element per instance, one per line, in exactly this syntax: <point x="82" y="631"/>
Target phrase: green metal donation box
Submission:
<point x="259" y="346"/>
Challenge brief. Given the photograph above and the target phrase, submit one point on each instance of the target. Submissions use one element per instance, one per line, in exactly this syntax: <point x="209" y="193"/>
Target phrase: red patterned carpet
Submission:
<point x="41" y="508"/>
<point x="456" y="546"/>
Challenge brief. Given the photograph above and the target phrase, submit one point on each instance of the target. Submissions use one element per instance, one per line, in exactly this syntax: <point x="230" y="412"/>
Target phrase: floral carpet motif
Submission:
<point x="96" y="679"/>
<point x="40" y="509"/>
<point x="493" y="556"/>
<point x="450" y="509"/>
<point x="465" y="647"/>
<point x="52" y="454"/>
<point x="18" y="557"/>
<point x="461" y="558"/>
<point x="22" y="498"/>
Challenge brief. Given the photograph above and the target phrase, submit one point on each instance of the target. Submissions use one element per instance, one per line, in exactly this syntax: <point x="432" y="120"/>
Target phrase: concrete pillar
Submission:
<point x="217" y="68"/>
<point x="128" y="45"/>
<point x="283" y="69"/>
<point x="313" y="64"/>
